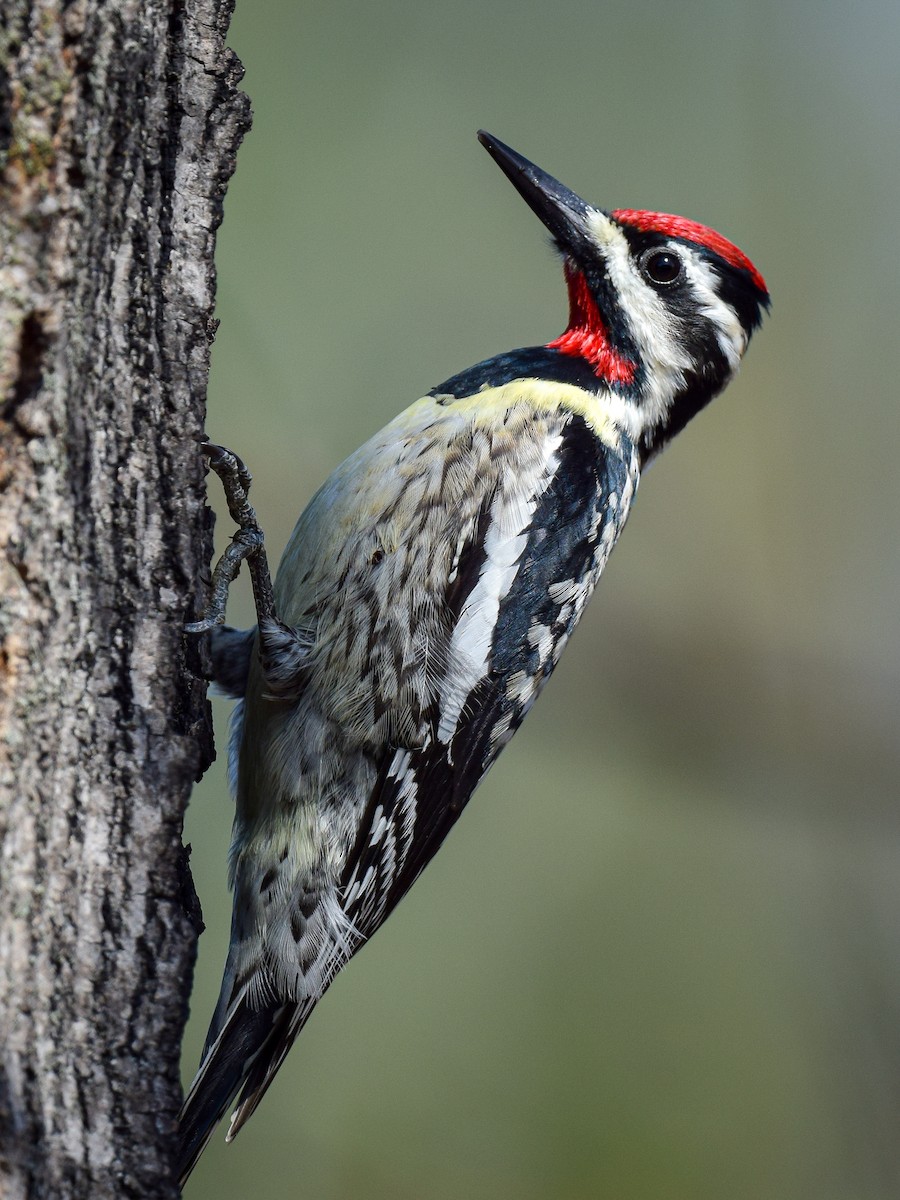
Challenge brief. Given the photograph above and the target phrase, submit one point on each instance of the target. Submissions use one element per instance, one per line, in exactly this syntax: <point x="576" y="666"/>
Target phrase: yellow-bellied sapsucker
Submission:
<point x="424" y="598"/>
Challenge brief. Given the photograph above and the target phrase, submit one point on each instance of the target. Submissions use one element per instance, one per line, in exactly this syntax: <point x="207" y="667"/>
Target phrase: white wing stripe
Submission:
<point x="504" y="544"/>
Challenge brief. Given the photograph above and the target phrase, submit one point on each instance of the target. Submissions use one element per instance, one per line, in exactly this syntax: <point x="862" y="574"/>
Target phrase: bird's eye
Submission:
<point x="661" y="266"/>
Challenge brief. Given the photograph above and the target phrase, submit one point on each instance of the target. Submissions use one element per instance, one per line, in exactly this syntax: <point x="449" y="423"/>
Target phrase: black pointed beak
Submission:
<point x="561" y="210"/>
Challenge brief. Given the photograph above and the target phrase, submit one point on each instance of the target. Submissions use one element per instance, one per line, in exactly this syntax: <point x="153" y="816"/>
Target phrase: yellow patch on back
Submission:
<point x="545" y="396"/>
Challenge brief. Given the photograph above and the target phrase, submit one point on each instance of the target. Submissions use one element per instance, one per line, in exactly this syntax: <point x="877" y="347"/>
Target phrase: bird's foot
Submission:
<point x="247" y="543"/>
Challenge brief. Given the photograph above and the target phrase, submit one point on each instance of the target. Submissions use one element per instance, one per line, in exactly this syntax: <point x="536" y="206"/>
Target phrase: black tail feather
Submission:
<point x="244" y="1039"/>
<point x="266" y="1064"/>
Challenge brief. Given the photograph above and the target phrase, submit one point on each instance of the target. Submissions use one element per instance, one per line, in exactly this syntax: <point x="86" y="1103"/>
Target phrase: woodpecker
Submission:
<point x="425" y="597"/>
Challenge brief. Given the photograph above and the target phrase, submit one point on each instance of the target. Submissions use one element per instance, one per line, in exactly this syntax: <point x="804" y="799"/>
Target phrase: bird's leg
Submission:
<point x="247" y="543"/>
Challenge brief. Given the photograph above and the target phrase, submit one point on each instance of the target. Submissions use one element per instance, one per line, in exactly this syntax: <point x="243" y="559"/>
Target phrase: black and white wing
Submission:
<point x="515" y="598"/>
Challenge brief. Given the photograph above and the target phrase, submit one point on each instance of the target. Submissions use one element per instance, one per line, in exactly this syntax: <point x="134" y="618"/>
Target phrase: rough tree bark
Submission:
<point x="119" y="123"/>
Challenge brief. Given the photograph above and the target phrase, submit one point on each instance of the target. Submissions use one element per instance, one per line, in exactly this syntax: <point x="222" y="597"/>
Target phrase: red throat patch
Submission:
<point x="587" y="336"/>
<point x="691" y="231"/>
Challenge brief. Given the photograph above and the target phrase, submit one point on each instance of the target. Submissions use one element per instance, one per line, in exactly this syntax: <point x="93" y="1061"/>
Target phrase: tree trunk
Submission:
<point x="119" y="123"/>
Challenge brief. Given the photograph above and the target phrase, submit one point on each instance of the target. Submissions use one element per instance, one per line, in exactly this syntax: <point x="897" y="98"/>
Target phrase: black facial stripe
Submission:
<point x="699" y="388"/>
<point x="618" y="328"/>
<point x="735" y="285"/>
<point x="736" y="289"/>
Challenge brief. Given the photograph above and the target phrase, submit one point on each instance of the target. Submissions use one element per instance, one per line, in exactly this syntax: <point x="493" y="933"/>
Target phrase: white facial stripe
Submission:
<point x="729" y="331"/>
<point x="651" y="326"/>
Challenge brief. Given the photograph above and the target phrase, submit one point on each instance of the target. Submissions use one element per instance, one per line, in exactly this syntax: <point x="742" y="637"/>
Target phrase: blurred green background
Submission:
<point x="659" y="957"/>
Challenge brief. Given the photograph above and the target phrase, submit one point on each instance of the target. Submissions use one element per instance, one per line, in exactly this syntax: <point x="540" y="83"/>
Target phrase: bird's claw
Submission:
<point x="248" y="542"/>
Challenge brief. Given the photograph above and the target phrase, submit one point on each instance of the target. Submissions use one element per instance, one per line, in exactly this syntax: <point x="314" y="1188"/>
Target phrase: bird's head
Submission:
<point x="661" y="307"/>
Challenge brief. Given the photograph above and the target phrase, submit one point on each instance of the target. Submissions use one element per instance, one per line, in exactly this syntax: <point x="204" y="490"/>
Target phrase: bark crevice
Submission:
<point x="118" y="134"/>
